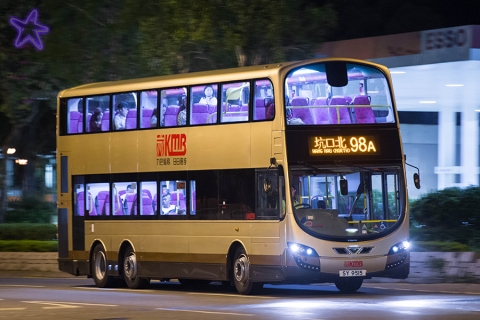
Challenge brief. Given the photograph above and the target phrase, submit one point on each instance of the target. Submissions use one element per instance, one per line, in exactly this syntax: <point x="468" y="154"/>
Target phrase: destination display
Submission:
<point x="343" y="145"/>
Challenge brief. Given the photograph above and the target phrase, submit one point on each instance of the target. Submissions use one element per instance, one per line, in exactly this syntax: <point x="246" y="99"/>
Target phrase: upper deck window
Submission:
<point x="313" y="97"/>
<point x="235" y="102"/>
<point x="124" y="115"/>
<point x="203" y="104"/>
<point x="173" y="104"/>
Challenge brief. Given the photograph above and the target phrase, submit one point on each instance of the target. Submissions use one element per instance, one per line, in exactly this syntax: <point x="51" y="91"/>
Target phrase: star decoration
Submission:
<point x="29" y="30"/>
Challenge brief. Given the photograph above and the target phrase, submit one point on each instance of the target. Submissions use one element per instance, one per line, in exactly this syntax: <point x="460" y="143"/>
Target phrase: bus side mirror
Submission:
<point x="343" y="187"/>
<point x="416" y="180"/>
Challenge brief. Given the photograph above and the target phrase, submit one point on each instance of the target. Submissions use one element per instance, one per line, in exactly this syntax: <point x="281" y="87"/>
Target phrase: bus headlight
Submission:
<point x="300" y="249"/>
<point x="399" y="247"/>
<point x="304" y="256"/>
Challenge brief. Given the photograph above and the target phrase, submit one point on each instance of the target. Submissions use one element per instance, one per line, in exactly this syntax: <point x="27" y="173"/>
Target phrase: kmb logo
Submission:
<point x="171" y="145"/>
<point x="352" y="264"/>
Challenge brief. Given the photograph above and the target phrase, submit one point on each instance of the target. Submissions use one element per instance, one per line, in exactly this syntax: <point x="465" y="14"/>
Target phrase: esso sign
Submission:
<point x="446" y="38"/>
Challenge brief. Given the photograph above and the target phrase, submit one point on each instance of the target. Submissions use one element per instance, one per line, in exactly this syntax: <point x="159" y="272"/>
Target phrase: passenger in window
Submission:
<point x="208" y="97"/>
<point x="182" y="114"/>
<point x="153" y="119"/>
<point x="167" y="208"/>
<point x="291" y="120"/>
<point x="270" y="109"/>
<point x="121" y="116"/>
<point x="96" y="120"/>
<point x="124" y="198"/>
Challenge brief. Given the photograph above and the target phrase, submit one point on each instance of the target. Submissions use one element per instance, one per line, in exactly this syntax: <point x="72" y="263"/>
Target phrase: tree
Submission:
<point x="450" y="215"/>
<point x="193" y="35"/>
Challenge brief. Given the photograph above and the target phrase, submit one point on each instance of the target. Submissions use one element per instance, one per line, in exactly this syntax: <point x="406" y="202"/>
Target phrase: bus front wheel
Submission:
<point x="130" y="271"/>
<point x="349" y="285"/>
<point x="99" y="268"/>
<point x="241" y="274"/>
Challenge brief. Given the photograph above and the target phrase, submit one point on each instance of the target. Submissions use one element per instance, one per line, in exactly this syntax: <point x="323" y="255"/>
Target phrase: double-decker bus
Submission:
<point x="281" y="173"/>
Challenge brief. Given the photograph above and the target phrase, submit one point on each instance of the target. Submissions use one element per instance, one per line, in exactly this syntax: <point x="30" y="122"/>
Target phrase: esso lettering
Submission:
<point x="445" y="39"/>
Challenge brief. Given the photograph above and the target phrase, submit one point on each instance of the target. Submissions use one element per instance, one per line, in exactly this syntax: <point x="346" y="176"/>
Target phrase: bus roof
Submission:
<point x="175" y="80"/>
<point x="183" y="79"/>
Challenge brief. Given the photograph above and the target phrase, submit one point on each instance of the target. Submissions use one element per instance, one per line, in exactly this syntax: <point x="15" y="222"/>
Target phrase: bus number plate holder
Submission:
<point x="353" y="273"/>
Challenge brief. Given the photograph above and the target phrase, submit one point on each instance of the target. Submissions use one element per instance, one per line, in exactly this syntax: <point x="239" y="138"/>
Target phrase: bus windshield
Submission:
<point x="356" y="202"/>
<point x="318" y="95"/>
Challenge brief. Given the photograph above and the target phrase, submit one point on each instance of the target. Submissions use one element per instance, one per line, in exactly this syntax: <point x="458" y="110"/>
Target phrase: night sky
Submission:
<point x="368" y="18"/>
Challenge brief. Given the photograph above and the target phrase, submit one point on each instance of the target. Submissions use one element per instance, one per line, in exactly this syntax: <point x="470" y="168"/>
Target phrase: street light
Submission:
<point x="11" y="150"/>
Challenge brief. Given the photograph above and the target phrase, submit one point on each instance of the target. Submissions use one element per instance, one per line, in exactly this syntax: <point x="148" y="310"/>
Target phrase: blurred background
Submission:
<point x="92" y="41"/>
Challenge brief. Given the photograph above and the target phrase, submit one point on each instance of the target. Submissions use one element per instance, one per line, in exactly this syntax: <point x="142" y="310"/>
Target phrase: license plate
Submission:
<point x="353" y="273"/>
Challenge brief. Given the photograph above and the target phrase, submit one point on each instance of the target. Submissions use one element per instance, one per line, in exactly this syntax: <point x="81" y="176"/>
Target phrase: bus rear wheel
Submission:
<point x="241" y="274"/>
<point x="99" y="268"/>
<point x="348" y="285"/>
<point x="130" y="271"/>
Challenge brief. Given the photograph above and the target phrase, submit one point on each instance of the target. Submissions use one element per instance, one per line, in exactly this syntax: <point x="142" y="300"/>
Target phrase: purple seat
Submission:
<point x="90" y="204"/>
<point x="299" y="101"/>
<point x="102" y="203"/>
<point x="80" y="204"/>
<point x="80" y="124"/>
<point x="89" y="116"/>
<point x="199" y="114"/>
<point x="106" y="121"/>
<point x="147" y="208"/>
<point x="339" y="114"/>
<point x="320" y="115"/>
<point x="171" y="116"/>
<point x="131" y="120"/>
<point x="365" y="114"/>
<point x="146" y="118"/>
<point x="259" y="109"/>
<point x="147" y="193"/>
<point x="173" y="200"/>
<point x="305" y="114"/>
<point x="75" y="116"/>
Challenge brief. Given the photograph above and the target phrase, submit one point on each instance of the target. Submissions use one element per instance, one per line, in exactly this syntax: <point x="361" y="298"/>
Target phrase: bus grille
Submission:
<point x="353" y="250"/>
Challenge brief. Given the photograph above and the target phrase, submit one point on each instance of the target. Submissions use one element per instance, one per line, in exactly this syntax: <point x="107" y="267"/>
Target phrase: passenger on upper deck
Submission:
<point x="121" y="116"/>
<point x="96" y="120"/>
<point x="208" y="97"/>
<point x="182" y="114"/>
<point x="153" y="119"/>
<point x="289" y="114"/>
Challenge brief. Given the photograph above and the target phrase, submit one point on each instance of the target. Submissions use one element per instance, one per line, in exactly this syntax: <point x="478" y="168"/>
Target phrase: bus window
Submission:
<point x="268" y="199"/>
<point x="173" y="112"/>
<point x="173" y="197"/>
<point x="203" y="104"/>
<point x="193" y="198"/>
<point x="149" y="192"/>
<point x="263" y="93"/>
<point x="124" y="115"/>
<point x="98" y="113"/>
<point x="75" y="116"/>
<point x="79" y="200"/>
<point x="312" y="100"/>
<point x="124" y="198"/>
<point x="235" y="102"/>
<point x="99" y="203"/>
<point x="148" y="107"/>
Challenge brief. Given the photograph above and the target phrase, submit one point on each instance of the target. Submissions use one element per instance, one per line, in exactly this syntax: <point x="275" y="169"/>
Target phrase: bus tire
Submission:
<point x="348" y="285"/>
<point x="99" y="268"/>
<point x="130" y="271"/>
<point x="241" y="274"/>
